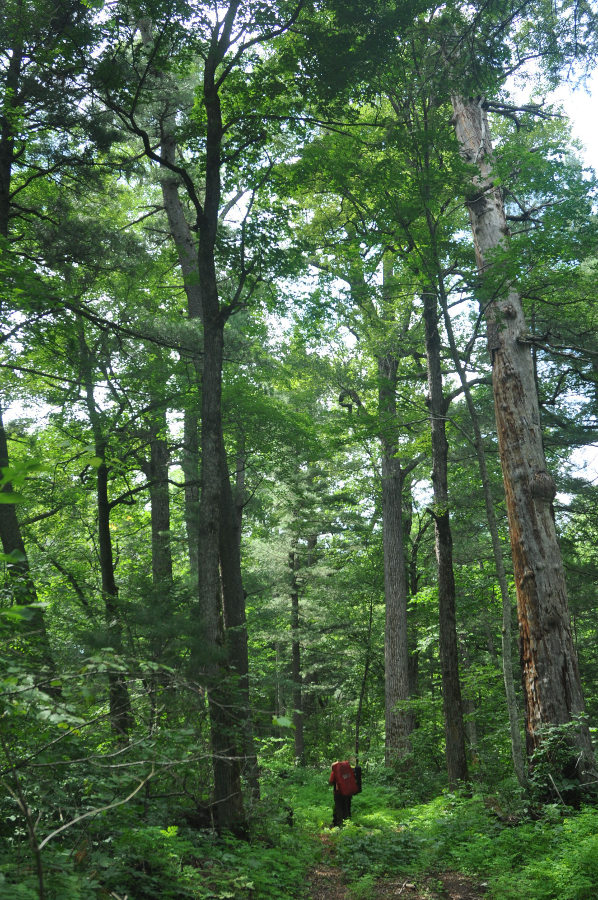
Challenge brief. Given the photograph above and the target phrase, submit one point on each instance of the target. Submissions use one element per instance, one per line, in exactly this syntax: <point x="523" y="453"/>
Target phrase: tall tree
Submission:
<point x="42" y="50"/>
<point x="121" y="717"/>
<point x="222" y="139"/>
<point x="552" y="686"/>
<point x="449" y="652"/>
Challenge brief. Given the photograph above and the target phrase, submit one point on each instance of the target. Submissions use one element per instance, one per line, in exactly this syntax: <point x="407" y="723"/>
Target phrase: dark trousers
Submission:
<point x="342" y="809"/>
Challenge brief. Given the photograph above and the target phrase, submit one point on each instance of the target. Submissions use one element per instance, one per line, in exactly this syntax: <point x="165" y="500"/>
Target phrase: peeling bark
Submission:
<point x="551" y="682"/>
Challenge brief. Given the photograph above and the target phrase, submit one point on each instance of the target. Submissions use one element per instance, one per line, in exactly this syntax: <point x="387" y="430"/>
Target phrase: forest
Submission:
<point x="298" y="415"/>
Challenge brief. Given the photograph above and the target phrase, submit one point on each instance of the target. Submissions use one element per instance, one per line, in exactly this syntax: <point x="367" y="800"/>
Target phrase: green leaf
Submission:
<point x="282" y="722"/>
<point x="19" y="613"/>
<point x="15" y="556"/>
<point x="11" y="497"/>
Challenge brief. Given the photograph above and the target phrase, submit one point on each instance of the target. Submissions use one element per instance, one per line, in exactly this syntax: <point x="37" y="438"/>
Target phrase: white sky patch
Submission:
<point x="581" y="105"/>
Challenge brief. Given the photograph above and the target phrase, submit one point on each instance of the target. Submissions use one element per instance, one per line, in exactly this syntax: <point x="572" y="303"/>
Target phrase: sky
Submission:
<point x="581" y="105"/>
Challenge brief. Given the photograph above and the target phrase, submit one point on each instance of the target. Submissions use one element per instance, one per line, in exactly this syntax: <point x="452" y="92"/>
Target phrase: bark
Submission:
<point x="364" y="681"/>
<point x="551" y="682"/>
<point x="396" y="656"/>
<point x="517" y="754"/>
<point x="23" y="586"/>
<point x="218" y="533"/>
<point x="299" y="741"/>
<point x="156" y="472"/>
<point x="399" y="723"/>
<point x="160" y="506"/>
<point x="121" y="716"/>
<point x="213" y="669"/>
<point x="7" y="135"/>
<point x="456" y="759"/>
<point x="22" y="583"/>
<point x="190" y="467"/>
<point x="233" y="595"/>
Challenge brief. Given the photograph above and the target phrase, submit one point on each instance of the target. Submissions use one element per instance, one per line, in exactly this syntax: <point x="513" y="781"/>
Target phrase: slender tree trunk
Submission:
<point x="449" y="657"/>
<point x="235" y="620"/>
<point x="160" y="506"/>
<point x="294" y="565"/>
<point x="225" y="727"/>
<point x="215" y="523"/>
<point x="551" y="682"/>
<point x="121" y="717"/>
<point x="23" y="587"/>
<point x="364" y="681"/>
<point x="7" y="132"/>
<point x="506" y="631"/>
<point x="22" y="583"/>
<point x="156" y="471"/>
<point x="396" y="654"/>
<point x="190" y="467"/>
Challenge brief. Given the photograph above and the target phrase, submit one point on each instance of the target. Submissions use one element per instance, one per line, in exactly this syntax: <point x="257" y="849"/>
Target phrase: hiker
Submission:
<point x="347" y="782"/>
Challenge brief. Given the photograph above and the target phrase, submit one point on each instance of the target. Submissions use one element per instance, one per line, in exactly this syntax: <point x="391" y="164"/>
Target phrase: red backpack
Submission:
<point x="343" y="777"/>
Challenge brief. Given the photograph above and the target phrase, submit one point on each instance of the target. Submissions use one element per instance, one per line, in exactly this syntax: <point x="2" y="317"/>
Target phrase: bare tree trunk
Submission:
<point x="22" y="583"/>
<point x="235" y="620"/>
<point x="551" y="682"/>
<point x="223" y="714"/>
<point x="299" y="740"/>
<point x="121" y="717"/>
<point x="23" y="587"/>
<point x="160" y="505"/>
<point x="506" y="631"/>
<point x="218" y="531"/>
<point x="190" y="467"/>
<point x="156" y="472"/>
<point x="396" y="655"/>
<point x="364" y="681"/>
<point x="449" y="657"/>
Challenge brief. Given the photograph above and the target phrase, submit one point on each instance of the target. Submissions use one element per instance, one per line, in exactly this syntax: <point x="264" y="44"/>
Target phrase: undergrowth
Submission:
<point x="491" y="838"/>
<point x="550" y="857"/>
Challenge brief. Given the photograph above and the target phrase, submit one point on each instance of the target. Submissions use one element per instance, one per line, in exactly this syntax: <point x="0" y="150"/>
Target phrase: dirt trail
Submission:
<point x="327" y="883"/>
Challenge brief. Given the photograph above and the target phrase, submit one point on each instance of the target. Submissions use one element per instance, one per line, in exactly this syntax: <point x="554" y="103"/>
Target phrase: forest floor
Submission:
<point x="326" y="882"/>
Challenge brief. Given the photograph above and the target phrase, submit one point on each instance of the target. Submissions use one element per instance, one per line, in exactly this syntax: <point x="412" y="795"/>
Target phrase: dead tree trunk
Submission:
<point x="551" y="682"/>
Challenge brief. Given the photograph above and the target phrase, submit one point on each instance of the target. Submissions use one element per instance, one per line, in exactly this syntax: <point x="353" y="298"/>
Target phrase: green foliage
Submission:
<point x="542" y="859"/>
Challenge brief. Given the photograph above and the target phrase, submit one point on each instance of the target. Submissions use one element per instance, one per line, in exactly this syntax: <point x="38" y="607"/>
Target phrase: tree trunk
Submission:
<point x="190" y="467"/>
<point x="121" y="717"/>
<point x="225" y="728"/>
<point x="396" y="656"/>
<point x="23" y="587"/>
<point x="551" y="682"/>
<point x="364" y="681"/>
<point x="456" y="759"/>
<point x="294" y="566"/>
<point x="235" y="620"/>
<point x="506" y="631"/>
<point x="22" y="584"/>
<point x="218" y="559"/>
<point x="160" y="506"/>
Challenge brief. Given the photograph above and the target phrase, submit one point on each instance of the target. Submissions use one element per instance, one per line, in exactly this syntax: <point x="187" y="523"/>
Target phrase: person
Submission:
<point x="347" y="783"/>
